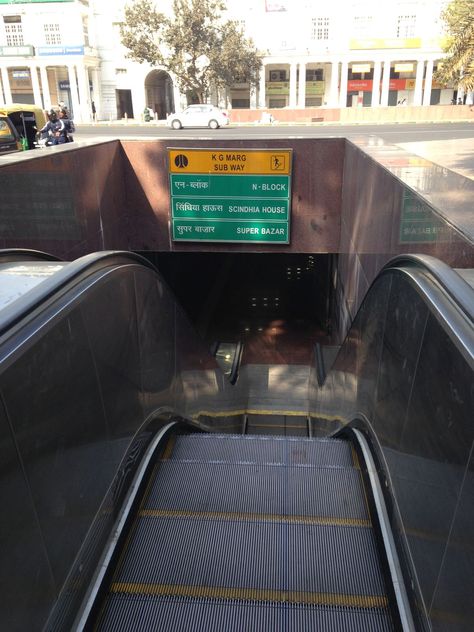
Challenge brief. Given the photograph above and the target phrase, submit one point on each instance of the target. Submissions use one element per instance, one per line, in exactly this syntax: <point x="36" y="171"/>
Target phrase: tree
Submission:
<point x="458" y="67"/>
<point x="195" y="44"/>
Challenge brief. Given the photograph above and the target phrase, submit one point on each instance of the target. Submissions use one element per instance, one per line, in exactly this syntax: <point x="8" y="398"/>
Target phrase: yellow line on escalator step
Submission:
<point x="215" y="515"/>
<point x="169" y="449"/>
<point x="251" y="594"/>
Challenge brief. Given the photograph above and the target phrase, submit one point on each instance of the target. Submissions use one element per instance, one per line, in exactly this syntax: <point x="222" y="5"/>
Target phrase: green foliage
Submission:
<point x="195" y="45"/>
<point x="458" y="67"/>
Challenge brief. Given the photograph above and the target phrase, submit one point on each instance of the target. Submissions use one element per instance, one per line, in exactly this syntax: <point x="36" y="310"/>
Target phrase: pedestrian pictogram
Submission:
<point x="278" y="162"/>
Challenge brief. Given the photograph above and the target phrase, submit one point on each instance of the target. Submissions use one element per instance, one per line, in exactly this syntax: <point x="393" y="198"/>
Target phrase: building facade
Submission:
<point x="48" y="56"/>
<point x="348" y="53"/>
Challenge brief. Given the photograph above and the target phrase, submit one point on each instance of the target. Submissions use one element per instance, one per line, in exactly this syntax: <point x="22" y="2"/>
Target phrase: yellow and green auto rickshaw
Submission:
<point x="27" y="119"/>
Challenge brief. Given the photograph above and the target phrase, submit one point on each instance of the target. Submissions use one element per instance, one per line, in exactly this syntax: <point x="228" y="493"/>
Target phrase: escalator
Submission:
<point x="251" y="533"/>
<point x="135" y="503"/>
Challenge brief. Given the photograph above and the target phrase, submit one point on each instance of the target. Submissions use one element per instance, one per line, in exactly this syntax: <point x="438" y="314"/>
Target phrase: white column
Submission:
<point x="428" y="82"/>
<point x="253" y="96"/>
<point x="376" y="84"/>
<point x="74" y="106"/>
<point x="45" y="85"/>
<point x="302" y="86"/>
<point x="292" y="102"/>
<point x="420" y="69"/>
<point x="6" y="86"/>
<point x="35" y="85"/>
<point x="96" y="92"/>
<point x="334" y="90"/>
<point x="385" y="83"/>
<point x="343" y="89"/>
<point x="261" y="88"/>
<point x="84" y="92"/>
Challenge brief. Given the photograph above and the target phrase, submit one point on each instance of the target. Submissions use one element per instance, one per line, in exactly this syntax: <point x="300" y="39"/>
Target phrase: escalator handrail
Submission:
<point x="73" y="272"/>
<point x="17" y="255"/>
<point x="452" y="283"/>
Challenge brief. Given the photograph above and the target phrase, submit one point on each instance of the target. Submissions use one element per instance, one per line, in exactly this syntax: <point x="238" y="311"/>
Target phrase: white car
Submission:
<point x="199" y="115"/>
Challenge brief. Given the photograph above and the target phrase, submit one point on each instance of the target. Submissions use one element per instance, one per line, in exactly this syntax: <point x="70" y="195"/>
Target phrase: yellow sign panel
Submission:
<point x="231" y="161"/>
<point x="371" y="44"/>
<point x="359" y="68"/>
<point x="404" y="67"/>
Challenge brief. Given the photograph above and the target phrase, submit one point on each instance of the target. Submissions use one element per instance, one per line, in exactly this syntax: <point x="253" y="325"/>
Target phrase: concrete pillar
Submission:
<point x="45" y="86"/>
<point x="84" y="92"/>
<point x="376" y="84"/>
<point x="74" y="105"/>
<point x="6" y="86"/>
<point x="35" y="85"/>
<point x="420" y="69"/>
<point x="253" y="96"/>
<point x="292" y="102"/>
<point x="261" y="88"/>
<point x="178" y="104"/>
<point x="385" y="83"/>
<point x="302" y="86"/>
<point x="334" y="89"/>
<point x="428" y="82"/>
<point x="343" y="89"/>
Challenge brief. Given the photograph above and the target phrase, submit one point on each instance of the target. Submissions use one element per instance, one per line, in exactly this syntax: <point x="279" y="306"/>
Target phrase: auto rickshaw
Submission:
<point x="27" y="119"/>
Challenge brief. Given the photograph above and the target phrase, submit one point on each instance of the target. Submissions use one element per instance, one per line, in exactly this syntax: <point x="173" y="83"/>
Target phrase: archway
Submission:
<point x="159" y="93"/>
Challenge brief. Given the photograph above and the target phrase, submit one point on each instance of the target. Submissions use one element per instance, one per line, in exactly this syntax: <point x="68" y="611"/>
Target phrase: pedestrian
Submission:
<point x="67" y="128"/>
<point x="459" y="101"/>
<point x="94" y="112"/>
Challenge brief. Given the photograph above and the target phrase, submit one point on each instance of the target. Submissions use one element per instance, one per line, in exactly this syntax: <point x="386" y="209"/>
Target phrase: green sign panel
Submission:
<point x="252" y="205"/>
<point x="31" y="1"/>
<point x="419" y="223"/>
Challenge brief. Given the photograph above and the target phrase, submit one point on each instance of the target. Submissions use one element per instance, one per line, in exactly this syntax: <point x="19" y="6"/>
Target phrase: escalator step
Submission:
<point x="259" y="449"/>
<point x="258" y="491"/>
<point x="302" y="563"/>
<point x="169" y="614"/>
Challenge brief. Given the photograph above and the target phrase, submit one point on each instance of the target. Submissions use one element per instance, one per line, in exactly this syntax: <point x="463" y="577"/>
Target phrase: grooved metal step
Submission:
<point x="335" y="494"/>
<point x="251" y="533"/>
<point x="170" y="614"/>
<point x="259" y="449"/>
<point x="252" y="560"/>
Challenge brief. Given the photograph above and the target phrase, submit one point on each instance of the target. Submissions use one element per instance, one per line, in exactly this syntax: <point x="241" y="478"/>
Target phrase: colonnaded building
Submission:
<point x="344" y="53"/>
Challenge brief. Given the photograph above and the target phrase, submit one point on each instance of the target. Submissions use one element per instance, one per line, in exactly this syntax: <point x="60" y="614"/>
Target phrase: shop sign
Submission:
<point x="277" y="87"/>
<point x="230" y="195"/>
<point x="366" y="85"/>
<point x="60" y="50"/>
<point x="356" y="85"/>
<point x="20" y="74"/>
<point x="405" y="67"/>
<point x="17" y="51"/>
<point x="315" y="87"/>
<point x="360" y="68"/>
<point x="380" y="43"/>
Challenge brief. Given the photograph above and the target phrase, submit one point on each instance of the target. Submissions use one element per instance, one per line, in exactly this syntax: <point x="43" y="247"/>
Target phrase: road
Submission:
<point x="448" y="144"/>
<point x="392" y="133"/>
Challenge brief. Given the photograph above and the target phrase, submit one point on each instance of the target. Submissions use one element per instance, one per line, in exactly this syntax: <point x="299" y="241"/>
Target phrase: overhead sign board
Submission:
<point x="231" y="195"/>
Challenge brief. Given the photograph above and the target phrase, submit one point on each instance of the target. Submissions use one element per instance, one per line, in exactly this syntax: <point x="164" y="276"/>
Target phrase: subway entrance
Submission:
<point x="277" y="305"/>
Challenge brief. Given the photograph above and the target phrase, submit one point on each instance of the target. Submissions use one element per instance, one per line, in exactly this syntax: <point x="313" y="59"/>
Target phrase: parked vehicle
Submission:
<point x="199" y="115"/>
<point x="9" y="138"/>
<point x="27" y="120"/>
